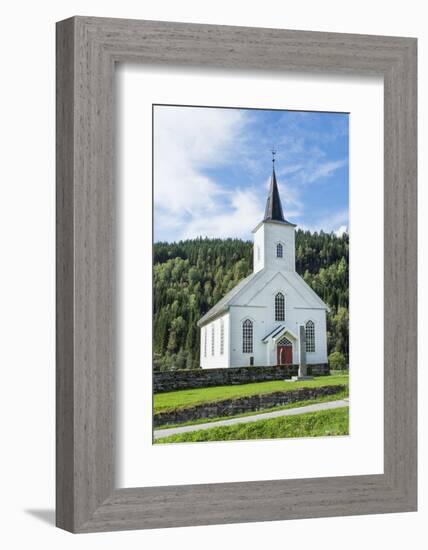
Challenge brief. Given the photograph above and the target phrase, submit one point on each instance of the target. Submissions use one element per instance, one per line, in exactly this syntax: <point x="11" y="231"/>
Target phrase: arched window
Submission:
<point x="279" y="250"/>
<point x="221" y="337"/>
<point x="212" y="339"/>
<point x="310" y="336"/>
<point x="279" y="307"/>
<point x="247" y="336"/>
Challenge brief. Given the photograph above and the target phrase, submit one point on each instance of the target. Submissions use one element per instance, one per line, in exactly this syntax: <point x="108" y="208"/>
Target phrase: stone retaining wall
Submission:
<point x="239" y="405"/>
<point x="203" y="378"/>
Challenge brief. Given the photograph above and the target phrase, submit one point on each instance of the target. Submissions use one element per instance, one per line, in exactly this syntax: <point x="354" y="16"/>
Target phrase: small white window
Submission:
<point x="221" y="337"/>
<point x="310" y="336"/>
<point x="279" y="250"/>
<point x="279" y="307"/>
<point x="247" y="336"/>
<point x="212" y="339"/>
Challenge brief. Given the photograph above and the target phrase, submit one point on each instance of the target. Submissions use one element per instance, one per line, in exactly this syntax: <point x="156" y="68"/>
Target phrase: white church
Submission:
<point x="259" y="321"/>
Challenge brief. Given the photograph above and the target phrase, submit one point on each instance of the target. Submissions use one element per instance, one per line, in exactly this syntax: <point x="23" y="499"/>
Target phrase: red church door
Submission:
<point x="284" y="354"/>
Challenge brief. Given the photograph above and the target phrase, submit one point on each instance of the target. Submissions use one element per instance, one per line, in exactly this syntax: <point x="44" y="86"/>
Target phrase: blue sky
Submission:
<point x="212" y="169"/>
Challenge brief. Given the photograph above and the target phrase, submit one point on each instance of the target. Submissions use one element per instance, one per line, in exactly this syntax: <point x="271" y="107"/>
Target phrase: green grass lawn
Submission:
<point x="323" y="399"/>
<point x="321" y="423"/>
<point x="185" y="398"/>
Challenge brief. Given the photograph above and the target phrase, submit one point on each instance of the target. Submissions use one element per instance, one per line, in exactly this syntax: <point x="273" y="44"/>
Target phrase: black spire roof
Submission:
<point x="273" y="210"/>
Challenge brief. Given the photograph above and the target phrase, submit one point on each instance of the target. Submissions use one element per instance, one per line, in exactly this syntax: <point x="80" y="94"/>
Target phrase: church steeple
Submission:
<point x="274" y="240"/>
<point x="273" y="210"/>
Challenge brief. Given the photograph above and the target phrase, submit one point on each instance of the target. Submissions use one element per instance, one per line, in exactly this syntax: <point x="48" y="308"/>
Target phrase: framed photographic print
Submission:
<point x="236" y="274"/>
<point x="263" y="314"/>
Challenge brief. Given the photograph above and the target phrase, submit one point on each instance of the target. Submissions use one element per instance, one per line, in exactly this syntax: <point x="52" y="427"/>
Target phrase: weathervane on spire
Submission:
<point x="273" y="156"/>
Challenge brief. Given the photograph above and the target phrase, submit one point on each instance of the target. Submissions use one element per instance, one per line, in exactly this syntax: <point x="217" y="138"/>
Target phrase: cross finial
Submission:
<point x="273" y="156"/>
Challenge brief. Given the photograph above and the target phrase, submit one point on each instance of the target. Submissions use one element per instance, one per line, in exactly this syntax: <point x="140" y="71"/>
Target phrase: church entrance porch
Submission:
<point x="284" y="352"/>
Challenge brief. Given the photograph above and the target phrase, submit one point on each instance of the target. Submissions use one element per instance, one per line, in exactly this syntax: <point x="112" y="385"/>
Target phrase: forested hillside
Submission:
<point x="191" y="276"/>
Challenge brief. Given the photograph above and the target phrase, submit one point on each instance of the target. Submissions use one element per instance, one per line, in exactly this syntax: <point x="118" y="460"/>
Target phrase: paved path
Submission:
<point x="244" y="419"/>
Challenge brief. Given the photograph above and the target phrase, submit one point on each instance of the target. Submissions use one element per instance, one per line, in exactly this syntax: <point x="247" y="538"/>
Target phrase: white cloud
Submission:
<point x="290" y="199"/>
<point x="238" y="222"/>
<point x="334" y="222"/>
<point x="290" y="169"/>
<point x="323" y="170"/>
<point x="304" y="160"/>
<point x="245" y="208"/>
<point x="312" y="170"/>
<point x="341" y="230"/>
<point x="185" y="139"/>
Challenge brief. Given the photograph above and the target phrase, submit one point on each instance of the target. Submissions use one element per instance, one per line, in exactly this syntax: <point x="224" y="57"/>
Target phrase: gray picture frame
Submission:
<point x="87" y="51"/>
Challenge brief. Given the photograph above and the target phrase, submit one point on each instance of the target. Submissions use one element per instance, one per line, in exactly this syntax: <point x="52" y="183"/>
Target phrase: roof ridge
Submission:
<point x="222" y="304"/>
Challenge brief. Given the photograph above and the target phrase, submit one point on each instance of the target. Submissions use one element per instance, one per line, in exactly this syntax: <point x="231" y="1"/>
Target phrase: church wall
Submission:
<point x="297" y="317"/>
<point x="319" y="318"/>
<point x="279" y="233"/>
<point x="259" y="300"/>
<point x="263" y="322"/>
<point x="237" y="317"/>
<point x="217" y="360"/>
<point x="259" y="249"/>
<point x="267" y="236"/>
